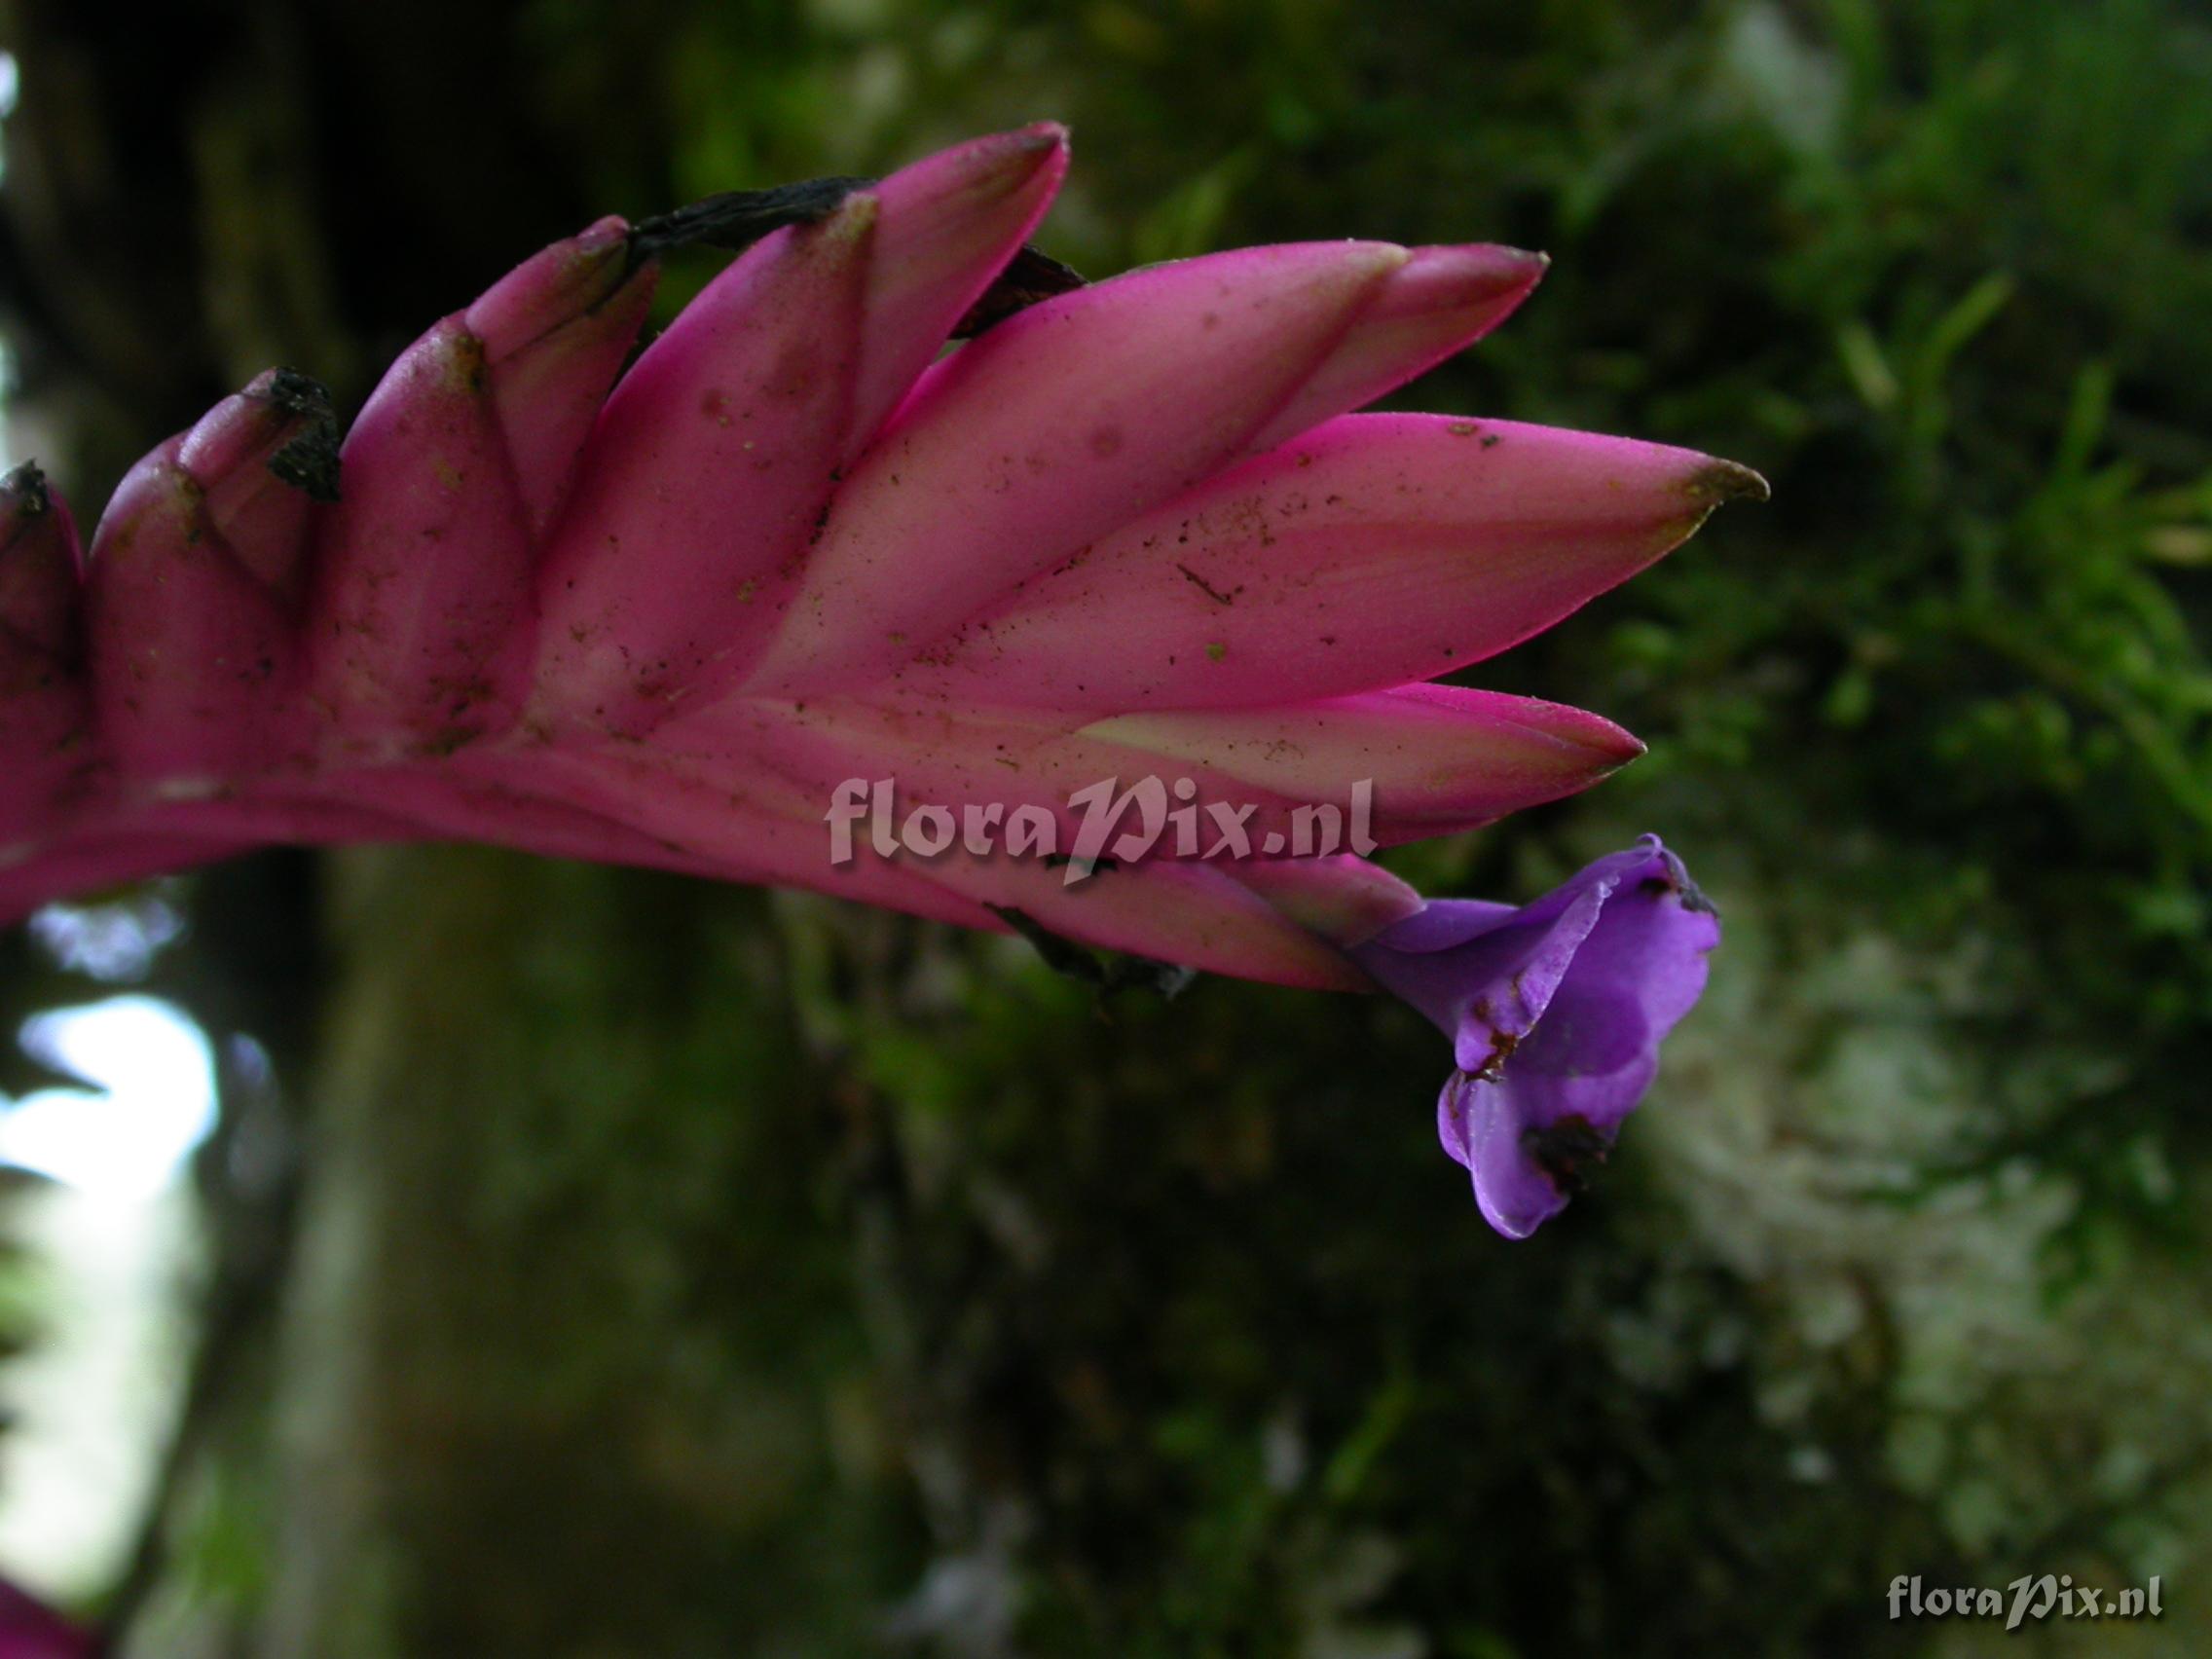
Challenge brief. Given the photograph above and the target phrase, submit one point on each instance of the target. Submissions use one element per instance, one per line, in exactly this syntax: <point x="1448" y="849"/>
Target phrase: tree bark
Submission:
<point x="568" y="1303"/>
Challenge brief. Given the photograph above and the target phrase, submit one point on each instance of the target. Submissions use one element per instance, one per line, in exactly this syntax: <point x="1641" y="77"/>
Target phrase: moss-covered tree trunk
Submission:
<point x="571" y="1292"/>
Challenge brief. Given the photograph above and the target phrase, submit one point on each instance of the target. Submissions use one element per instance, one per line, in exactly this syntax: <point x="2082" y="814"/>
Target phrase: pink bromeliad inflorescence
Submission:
<point x="654" y="611"/>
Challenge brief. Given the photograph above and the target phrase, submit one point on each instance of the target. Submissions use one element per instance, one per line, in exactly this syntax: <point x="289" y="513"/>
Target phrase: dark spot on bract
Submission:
<point x="308" y="460"/>
<point x="1208" y="589"/>
<point x="736" y="219"/>
<point x="1029" y="277"/>
<point x="27" y="484"/>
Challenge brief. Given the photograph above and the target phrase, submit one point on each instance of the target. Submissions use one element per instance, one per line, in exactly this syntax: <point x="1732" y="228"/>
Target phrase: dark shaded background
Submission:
<point x="619" y="1265"/>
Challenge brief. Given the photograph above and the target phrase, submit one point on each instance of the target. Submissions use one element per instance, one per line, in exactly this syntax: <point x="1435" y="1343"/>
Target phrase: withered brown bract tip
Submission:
<point x="1727" y="481"/>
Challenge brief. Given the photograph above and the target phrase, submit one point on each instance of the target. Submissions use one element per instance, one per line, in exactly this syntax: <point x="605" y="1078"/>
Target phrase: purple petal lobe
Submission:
<point x="1556" y="1012"/>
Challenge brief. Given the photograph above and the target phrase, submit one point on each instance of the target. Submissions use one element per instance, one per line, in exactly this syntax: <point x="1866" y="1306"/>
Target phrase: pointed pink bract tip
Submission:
<point x="1452" y="276"/>
<point x="238" y="432"/>
<point x="1038" y="139"/>
<point x="1613" y="747"/>
<point x="1586" y="741"/>
<point x="601" y="234"/>
<point x="1003" y="164"/>
<point x="552" y="288"/>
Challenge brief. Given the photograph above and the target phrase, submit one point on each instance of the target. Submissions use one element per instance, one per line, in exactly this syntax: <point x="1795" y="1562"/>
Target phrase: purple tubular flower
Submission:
<point x="1556" y="1012"/>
